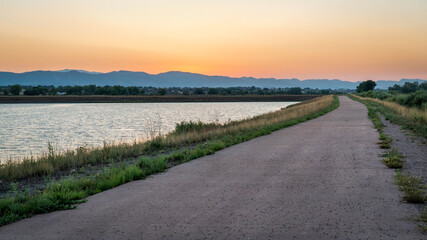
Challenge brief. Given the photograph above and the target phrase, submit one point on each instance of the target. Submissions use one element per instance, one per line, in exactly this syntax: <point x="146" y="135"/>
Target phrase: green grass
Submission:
<point x="415" y="99"/>
<point x="385" y="141"/>
<point x="393" y="159"/>
<point x="413" y="188"/>
<point x="412" y="119"/>
<point x="417" y="127"/>
<point x="66" y="193"/>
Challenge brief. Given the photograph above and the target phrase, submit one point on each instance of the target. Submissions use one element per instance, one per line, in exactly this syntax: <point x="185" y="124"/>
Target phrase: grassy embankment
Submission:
<point x="189" y="141"/>
<point x="416" y="99"/>
<point x="411" y="118"/>
<point x="415" y="119"/>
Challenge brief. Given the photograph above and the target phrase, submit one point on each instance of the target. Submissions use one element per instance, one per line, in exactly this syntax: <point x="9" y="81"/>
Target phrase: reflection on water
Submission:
<point x="25" y="129"/>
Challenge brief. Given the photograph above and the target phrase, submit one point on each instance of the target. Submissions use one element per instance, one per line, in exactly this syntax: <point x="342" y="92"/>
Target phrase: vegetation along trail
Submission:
<point x="321" y="179"/>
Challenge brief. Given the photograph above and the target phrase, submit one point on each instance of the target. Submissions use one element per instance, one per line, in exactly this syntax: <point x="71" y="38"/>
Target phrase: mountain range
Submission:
<point x="172" y="79"/>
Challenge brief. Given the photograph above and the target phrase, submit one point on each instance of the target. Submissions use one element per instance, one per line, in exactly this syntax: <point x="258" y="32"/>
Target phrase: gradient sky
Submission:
<point x="345" y="39"/>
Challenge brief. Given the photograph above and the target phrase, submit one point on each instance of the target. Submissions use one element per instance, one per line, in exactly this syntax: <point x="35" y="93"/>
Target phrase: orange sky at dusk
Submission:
<point x="348" y="40"/>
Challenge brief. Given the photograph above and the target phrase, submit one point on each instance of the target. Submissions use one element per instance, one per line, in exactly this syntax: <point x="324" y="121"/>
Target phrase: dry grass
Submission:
<point x="413" y="114"/>
<point x="236" y="127"/>
<point x="52" y="162"/>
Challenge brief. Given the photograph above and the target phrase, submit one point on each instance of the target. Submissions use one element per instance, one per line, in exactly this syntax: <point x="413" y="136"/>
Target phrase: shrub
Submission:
<point x="393" y="159"/>
<point x="190" y="126"/>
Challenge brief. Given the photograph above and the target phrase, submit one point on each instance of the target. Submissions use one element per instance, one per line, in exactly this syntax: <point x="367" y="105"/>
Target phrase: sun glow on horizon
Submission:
<point x="377" y="39"/>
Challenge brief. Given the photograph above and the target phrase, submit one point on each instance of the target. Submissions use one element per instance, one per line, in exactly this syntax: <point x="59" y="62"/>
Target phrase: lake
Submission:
<point x="25" y="129"/>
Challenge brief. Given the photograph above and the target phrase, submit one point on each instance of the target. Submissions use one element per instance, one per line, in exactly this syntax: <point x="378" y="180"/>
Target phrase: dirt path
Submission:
<point x="321" y="179"/>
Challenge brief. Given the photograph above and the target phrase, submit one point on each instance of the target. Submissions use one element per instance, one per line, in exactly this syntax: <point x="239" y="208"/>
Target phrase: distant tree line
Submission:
<point x="409" y="87"/>
<point x="121" y="90"/>
<point x="410" y="94"/>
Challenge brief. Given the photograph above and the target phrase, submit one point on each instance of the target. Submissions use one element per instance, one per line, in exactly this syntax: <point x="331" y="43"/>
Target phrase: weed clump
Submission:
<point x="385" y="141"/>
<point x="155" y="144"/>
<point x="393" y="159"/>
<point x="412" y="187"/>
<point x="150" y="165"/>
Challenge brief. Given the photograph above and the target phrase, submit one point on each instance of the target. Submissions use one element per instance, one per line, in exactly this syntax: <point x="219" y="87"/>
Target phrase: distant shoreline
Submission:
<point x="167" y="98"/>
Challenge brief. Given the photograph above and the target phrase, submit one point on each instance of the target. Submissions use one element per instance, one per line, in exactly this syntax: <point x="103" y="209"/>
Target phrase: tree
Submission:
<point x="394" y="88"/>
<point x="89" y="89"/>
<point x="35" y="91"/>
<point x="119" y="90"/>
<point x="213" y="91"/>
<point x="15" y="89"/>
<point x="199" y="91"/>
<point x="134" y="90"/>
<point x="325" y="91"/>
<point x="366" y="86"/>
<point x="295" y="90"/>
<point x="409" y="87"/>
<point x="161" y="91"/>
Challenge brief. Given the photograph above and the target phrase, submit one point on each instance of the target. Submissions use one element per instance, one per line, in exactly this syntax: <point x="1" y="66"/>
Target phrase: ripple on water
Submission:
<point x="26" y="128"/>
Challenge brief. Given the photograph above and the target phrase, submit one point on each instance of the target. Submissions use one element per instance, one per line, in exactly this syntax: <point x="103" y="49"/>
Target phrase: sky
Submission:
<point x="334" y="39"/>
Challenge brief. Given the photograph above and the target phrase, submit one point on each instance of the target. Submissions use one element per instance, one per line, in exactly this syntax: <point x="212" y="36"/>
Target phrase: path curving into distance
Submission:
<point x="321" y="179"/>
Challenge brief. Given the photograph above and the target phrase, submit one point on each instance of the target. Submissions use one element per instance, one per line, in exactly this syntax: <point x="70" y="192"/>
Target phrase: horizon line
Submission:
<point x="178" y="71"/>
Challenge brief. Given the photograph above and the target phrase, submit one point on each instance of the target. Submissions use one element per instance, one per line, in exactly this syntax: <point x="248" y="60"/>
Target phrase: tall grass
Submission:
<point x="52" y="162"/>
<point x="411" y="113"/>
<point x="411" y="118"/>
<point x="189" y="133"/>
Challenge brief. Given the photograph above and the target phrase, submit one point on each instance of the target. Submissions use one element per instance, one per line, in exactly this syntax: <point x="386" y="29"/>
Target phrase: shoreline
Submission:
<point x="154" y="99"/>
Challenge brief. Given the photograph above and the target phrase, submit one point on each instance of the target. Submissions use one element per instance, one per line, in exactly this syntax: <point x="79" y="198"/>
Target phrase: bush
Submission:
<point x="155" y="144"/>
<point x="418" y="99"/>
<point x="383" y="95"/>
<point x="185" y="127"/>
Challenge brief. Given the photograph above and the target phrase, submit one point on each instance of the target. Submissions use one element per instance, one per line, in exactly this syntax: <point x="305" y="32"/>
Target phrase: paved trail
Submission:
<point x="321" y="179"/>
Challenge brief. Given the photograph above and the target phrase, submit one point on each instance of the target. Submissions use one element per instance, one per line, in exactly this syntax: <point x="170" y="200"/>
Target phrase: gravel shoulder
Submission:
<point x="321" y="179"/>
<point x="412" y="147"/>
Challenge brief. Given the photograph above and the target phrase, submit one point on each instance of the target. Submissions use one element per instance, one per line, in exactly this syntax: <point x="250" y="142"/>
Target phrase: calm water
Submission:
<point x="25" y="129"/>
